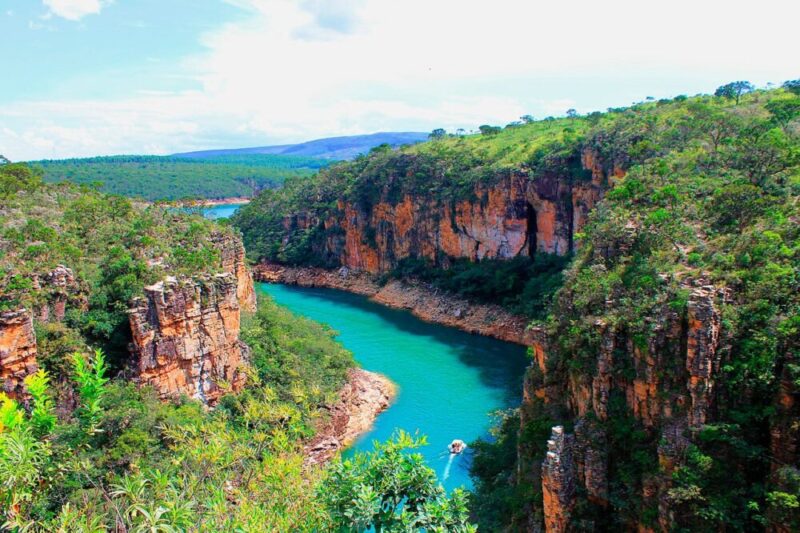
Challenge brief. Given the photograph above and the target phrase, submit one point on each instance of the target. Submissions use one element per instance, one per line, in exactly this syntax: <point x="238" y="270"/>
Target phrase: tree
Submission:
<point x="734" y="90"/>
<point x="485" y="129"/>
<point x="572" y="113"/>
<point x="390" y="489"/>
<point x="438" y="133"/>
<point x="527" y="119"/>
<point x="15" y="177"/>
<point x="792" y="86"/>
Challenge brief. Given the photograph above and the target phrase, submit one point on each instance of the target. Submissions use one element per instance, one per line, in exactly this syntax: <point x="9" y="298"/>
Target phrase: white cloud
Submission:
<point x="294" y="70"/>
<point x="75" y="9"/>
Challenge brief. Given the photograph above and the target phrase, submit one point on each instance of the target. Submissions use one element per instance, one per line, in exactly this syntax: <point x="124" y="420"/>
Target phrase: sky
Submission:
<point x="101" y="77"/>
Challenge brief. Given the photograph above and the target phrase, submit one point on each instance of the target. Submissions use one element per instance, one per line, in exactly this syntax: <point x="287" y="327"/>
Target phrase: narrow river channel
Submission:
<point x="449" y="382"/>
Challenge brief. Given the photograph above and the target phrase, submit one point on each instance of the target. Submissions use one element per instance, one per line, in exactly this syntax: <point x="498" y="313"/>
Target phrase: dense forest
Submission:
<point x="693" y="252"/>
<point x="84" y="449"/>
<point x="175" y="178"/>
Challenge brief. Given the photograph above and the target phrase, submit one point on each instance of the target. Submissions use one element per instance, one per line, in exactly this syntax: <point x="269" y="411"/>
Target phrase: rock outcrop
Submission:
<point x="667" y="385"/>
<point x="558" y="481"/>
<point x="516" y="215"/>
<point x="423" y="301"/>
<point x="186" y="337"/>
<point x="233" y="261"/>
<point x="59" y="290"/>
<point x="17" y="351"/>
<point x="362" y="398"/>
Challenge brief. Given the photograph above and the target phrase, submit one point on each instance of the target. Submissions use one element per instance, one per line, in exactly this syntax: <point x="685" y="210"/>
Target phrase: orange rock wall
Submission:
<point x="517" y="215"/>
<point x="233" y="261"/>
<point x="669" y="390"/>
<point x="17" y="351"/>
<point x="186" y="338"/>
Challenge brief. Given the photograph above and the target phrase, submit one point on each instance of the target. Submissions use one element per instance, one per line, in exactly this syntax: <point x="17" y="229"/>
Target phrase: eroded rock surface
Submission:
<point x="515" y="215"/>
<point x="362" y="398"/>
<point x="186" y="337"/>
<point x="17" y="351"/>
<point x="666" y="384"/>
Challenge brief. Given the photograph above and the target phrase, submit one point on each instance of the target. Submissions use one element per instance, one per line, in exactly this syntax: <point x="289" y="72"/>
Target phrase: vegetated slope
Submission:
<point x="174" y="178"/>
<point x="336" y="148"/>
<point x="670" y="353"/>
<point x="82" y="452"/>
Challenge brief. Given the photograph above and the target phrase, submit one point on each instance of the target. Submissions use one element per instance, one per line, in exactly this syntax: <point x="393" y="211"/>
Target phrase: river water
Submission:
<point x="220" y="211"/>
<point x="449" y="382"/>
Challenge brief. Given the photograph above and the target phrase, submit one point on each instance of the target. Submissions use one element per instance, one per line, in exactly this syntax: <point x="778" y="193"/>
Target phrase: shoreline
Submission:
<point x="363" y="397"/>
<point x="424" y="302"/>
<point x="222" y="201"/>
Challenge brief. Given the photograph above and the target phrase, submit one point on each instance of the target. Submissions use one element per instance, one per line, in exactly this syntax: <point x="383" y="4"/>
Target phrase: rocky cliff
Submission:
<point x="186" y="337"/>
<point x="667" y="386"/>
<point x="515" y="214"/>
<point x="17" y="351"/>
<point x="233" y="260"/>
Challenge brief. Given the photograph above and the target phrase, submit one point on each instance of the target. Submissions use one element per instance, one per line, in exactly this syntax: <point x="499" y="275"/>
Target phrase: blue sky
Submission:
<point x="96" y="77"/>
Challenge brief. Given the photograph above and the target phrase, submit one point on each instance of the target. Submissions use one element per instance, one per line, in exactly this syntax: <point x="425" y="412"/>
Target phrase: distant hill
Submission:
<point x="330" y="148"/>
<point x="173" y="178"/>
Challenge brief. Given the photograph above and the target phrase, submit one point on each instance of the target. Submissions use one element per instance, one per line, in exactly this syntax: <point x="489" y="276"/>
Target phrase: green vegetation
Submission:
<point x="710" y="194"/>
<point x="523" y="285"/>
<point x="175" y="178"/>
<point x="125" y="459"/>
<point x="114" y="246"/>
<point x="709" y="197"/>
<point x="91" y="451"/>
<point x="390" y="489"/>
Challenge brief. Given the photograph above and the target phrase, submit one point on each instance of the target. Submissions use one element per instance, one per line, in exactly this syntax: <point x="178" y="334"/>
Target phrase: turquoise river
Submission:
<point x="449" y="382"/>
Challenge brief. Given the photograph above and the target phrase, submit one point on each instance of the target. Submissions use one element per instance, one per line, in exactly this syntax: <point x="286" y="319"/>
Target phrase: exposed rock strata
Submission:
<point x="186" y="337"/>
<point x="668" y="384"/>
<point x="17" y="351"/>
<point x="423" y="301"/>
<point x="363" y="397"/>
<point x="558" y="481"/>
<point x="516" y="215"/>
<point x="233" y="261"/>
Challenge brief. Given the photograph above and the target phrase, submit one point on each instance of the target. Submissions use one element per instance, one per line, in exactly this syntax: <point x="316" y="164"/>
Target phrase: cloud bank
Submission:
<point x="294" y="70"/>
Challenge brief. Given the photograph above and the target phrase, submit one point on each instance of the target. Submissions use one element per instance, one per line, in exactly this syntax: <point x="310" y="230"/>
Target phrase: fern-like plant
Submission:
<point x="90" y="376"/>
<point x="43" y="417"/>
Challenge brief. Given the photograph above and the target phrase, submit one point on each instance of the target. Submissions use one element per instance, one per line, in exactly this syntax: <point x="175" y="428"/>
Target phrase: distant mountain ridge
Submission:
<point x="346" y="147"/>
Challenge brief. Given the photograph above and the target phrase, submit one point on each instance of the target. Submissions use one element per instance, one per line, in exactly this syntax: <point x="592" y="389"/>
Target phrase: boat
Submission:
<point x="457" y="446"/>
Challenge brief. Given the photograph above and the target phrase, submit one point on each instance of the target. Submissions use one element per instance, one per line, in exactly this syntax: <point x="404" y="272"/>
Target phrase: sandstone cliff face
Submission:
<point x="669" y="390"/>
<point x="516" y="216"/>
<point x="17" y="351"/>
<point x="186" y="337"/>
<point x="233" y="261"/>
<point x="558" y="481"/>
